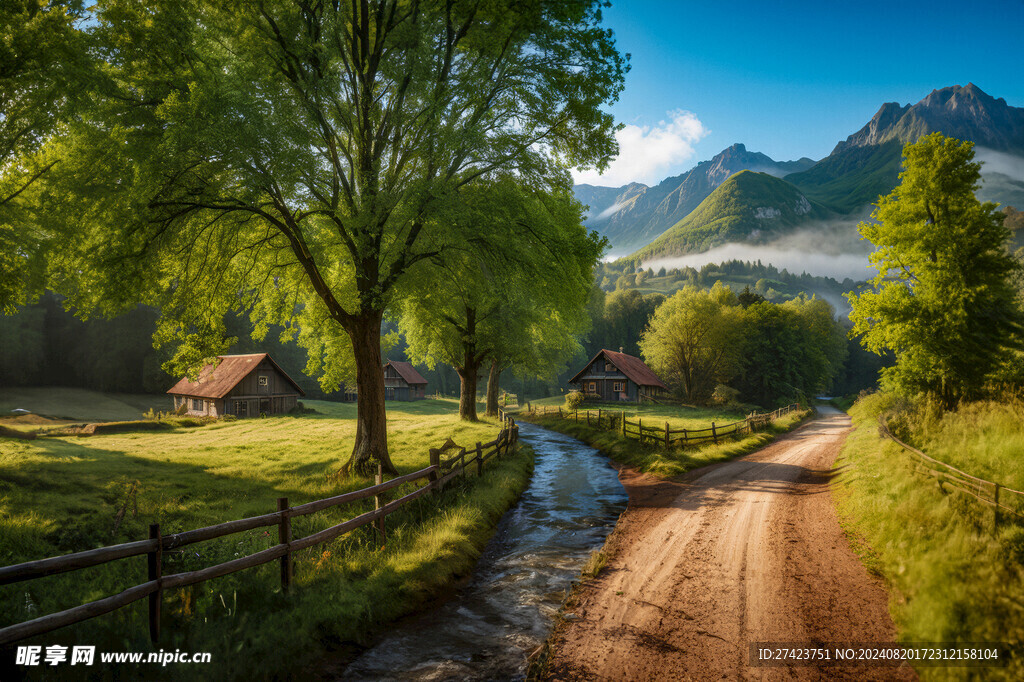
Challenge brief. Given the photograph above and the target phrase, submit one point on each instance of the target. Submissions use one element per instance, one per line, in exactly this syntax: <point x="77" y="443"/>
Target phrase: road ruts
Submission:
<point x="745" y="551"/>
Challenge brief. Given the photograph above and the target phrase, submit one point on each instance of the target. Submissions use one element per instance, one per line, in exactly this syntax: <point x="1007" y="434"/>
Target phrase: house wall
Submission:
<point x="249" y="398"/>
<point x="601" y="376"/>
<point x="396" y="388"/>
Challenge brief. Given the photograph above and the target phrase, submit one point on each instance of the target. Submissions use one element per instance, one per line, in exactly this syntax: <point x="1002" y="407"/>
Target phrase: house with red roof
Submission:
<point x="242" y="385"/>
<point x="403" y="382"/>
<point x="615" y="376"/>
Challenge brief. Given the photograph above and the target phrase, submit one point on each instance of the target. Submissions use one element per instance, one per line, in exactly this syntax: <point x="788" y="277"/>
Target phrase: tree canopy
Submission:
<point x="300" y="161"/>
<point x="943" y="301"/>
<point x="521" y="301"/>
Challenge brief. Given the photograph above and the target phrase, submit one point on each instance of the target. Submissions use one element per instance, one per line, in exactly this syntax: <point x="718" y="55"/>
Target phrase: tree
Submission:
<point x="693" y="340"/>
<point x="298" y="160"/>
<point x="522" y="302"/>
<point x="942" y="300"/>
<point x="42" y="73"/>
<point x="626" y="314"/>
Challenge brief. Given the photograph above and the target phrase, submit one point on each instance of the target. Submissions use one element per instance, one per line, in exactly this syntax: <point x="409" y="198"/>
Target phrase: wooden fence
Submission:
<point x="987" y="492"/>
<point x="437" y="475"/>
<point x="616" y="420"/>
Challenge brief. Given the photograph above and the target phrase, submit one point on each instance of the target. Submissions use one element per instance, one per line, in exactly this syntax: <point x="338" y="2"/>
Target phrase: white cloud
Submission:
<point x="647" y="154"/>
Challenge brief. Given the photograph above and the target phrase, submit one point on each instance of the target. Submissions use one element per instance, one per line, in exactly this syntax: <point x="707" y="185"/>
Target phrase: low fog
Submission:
<point x="1000" y="162"/>
<point x="827" y="250"/>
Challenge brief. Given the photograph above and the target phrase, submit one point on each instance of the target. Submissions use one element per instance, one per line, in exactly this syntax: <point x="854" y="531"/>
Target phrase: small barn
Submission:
<point x="403" y="382"/>
<point x="242" y="385"/>
<point x="615" y="376"/>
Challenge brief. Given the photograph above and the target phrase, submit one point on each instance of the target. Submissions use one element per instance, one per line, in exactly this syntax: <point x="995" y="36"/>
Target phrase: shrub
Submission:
<point x="573" y="400"/>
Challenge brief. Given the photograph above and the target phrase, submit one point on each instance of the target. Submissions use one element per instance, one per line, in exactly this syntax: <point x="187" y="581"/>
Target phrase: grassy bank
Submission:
<point x="674" y="460"/>
<point x="952" y="577"/>
<point x="60" y="495"/>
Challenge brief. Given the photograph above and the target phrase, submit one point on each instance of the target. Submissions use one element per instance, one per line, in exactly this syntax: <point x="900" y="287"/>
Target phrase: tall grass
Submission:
<point x="60" y="495"/>
<point x="952" y="577"/>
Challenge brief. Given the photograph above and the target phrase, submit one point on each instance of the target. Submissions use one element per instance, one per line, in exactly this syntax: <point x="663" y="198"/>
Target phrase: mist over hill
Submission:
<point x="716" y="204"/>
<point x="633" y="215"/>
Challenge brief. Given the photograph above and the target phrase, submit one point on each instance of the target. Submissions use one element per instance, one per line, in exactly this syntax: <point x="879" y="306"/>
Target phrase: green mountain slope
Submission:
<point x="853" y="177"/>
<point x="748" y="207"/>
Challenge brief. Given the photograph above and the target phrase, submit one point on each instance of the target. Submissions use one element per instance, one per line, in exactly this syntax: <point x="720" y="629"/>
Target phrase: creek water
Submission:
<point x="489" y="627"/>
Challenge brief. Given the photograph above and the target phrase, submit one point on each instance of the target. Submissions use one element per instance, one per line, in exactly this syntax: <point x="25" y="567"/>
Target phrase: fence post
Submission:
<point x="155" y="561"/>
<point x="559" y="411"/>
<point x="480" y="458"/>
<point x="435" y="461"/>
<point x="714" y="434"/>
<point x="666" y="434"/>
<point x="576" y="415"/>
<point x="640" y="428"/>
<point x="378" y="478"/>
<point x="684" y="437"/>
<point x="623" y="423"/>
<point x="284" y="537"/>
<point x="995" y="509"/>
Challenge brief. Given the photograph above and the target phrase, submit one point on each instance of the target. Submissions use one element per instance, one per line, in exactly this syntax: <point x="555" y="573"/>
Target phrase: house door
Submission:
<point x="264" y="405"/>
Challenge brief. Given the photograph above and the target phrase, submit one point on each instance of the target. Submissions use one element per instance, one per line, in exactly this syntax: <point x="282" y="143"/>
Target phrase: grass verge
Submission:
<point x="663" y="462"/>
<point x="952" y="576"/>
<point x="61" y="495"/>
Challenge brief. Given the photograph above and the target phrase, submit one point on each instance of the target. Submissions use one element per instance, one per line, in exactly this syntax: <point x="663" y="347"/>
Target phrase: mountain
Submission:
<point x="633" y="215"/>
<point x="747" y="207"/>
<point x="867" y="163"/>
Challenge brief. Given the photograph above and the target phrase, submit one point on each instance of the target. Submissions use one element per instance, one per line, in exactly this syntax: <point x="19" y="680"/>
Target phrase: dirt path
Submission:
<point x="745" y="551"/>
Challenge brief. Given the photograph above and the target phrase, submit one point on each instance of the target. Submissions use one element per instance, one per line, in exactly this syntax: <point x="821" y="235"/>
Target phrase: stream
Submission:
<point x="490" y="626"/>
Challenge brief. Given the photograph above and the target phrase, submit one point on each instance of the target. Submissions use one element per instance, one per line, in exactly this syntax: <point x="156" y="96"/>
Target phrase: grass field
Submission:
<point x="656" y="459"/>
<point x="60" y="495"/>
<point x="79" y="404"/>
<point x="953" y="578"/>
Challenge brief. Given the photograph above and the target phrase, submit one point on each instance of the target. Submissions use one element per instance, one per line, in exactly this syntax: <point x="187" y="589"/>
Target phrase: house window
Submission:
<point x="263" y="381"/>
<point x="593" y="387"/>
<point x="618" y="386"/>
<point x="197" y="404"/>
<point x="609" y="367"/>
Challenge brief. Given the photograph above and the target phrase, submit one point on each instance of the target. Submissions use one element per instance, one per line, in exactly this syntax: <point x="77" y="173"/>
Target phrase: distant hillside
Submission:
<point x="867" y="163"/>
<point x="633" y="215"/>
<point x="747" y="207"/>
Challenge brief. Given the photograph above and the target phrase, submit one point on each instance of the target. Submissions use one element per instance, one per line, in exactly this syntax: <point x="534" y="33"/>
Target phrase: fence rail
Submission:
<point x="987" y="492"/>
<point x="627" y="428"/>
<point x="437" y="474"/>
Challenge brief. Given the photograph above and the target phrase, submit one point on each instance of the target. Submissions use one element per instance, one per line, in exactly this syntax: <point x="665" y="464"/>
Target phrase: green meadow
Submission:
<point x="952" y="575"/>
<point x="65" y="494"/>
<point x="656" y="459"/>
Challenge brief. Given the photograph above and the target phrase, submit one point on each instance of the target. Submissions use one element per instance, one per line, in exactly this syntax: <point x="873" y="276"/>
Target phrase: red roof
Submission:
<point x="634" y="369"/>
<point x="407" y="372"/>
<point x="217" y="380"/>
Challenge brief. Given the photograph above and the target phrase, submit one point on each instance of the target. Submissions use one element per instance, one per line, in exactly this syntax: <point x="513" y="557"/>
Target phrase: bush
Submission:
<point x="573" y="400"/>
<point x="725" y="395"/>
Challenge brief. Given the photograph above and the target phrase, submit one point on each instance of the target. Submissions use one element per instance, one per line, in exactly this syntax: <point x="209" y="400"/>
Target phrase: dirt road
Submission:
<point x="745" y="551"/>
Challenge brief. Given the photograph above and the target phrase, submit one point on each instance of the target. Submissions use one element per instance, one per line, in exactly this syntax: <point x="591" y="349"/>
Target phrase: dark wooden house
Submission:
<point x="242" y="385"/>
<point x="618" y="377"/>
<point x="402" y="382"/>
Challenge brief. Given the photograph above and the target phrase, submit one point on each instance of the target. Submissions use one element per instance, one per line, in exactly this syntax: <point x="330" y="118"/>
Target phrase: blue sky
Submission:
<point x="791" y="79"/>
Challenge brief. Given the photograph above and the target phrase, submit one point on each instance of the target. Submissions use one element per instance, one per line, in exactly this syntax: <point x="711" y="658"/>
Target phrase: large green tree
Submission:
<point x="299" y="159"/>
<point x="44" y="74"/>
<point x="521" y="302"/>
<point x="943" y="301"/>
<point x="694" y="339"/>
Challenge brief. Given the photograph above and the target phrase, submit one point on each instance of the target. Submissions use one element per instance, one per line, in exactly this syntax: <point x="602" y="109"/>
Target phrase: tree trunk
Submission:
<point x="371" y="444"/>
<point x="467" y="396"/>
<point x="492" y="389"/>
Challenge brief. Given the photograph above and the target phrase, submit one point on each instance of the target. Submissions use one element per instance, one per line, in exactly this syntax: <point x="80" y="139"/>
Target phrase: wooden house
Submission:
<point x="242" y="385"/>
<point x="615" y="376"/>
<point x="402" y="382"/>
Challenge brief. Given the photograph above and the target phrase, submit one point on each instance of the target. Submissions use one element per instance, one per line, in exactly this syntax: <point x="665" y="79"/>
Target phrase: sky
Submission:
<point x="791" y="79"/>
